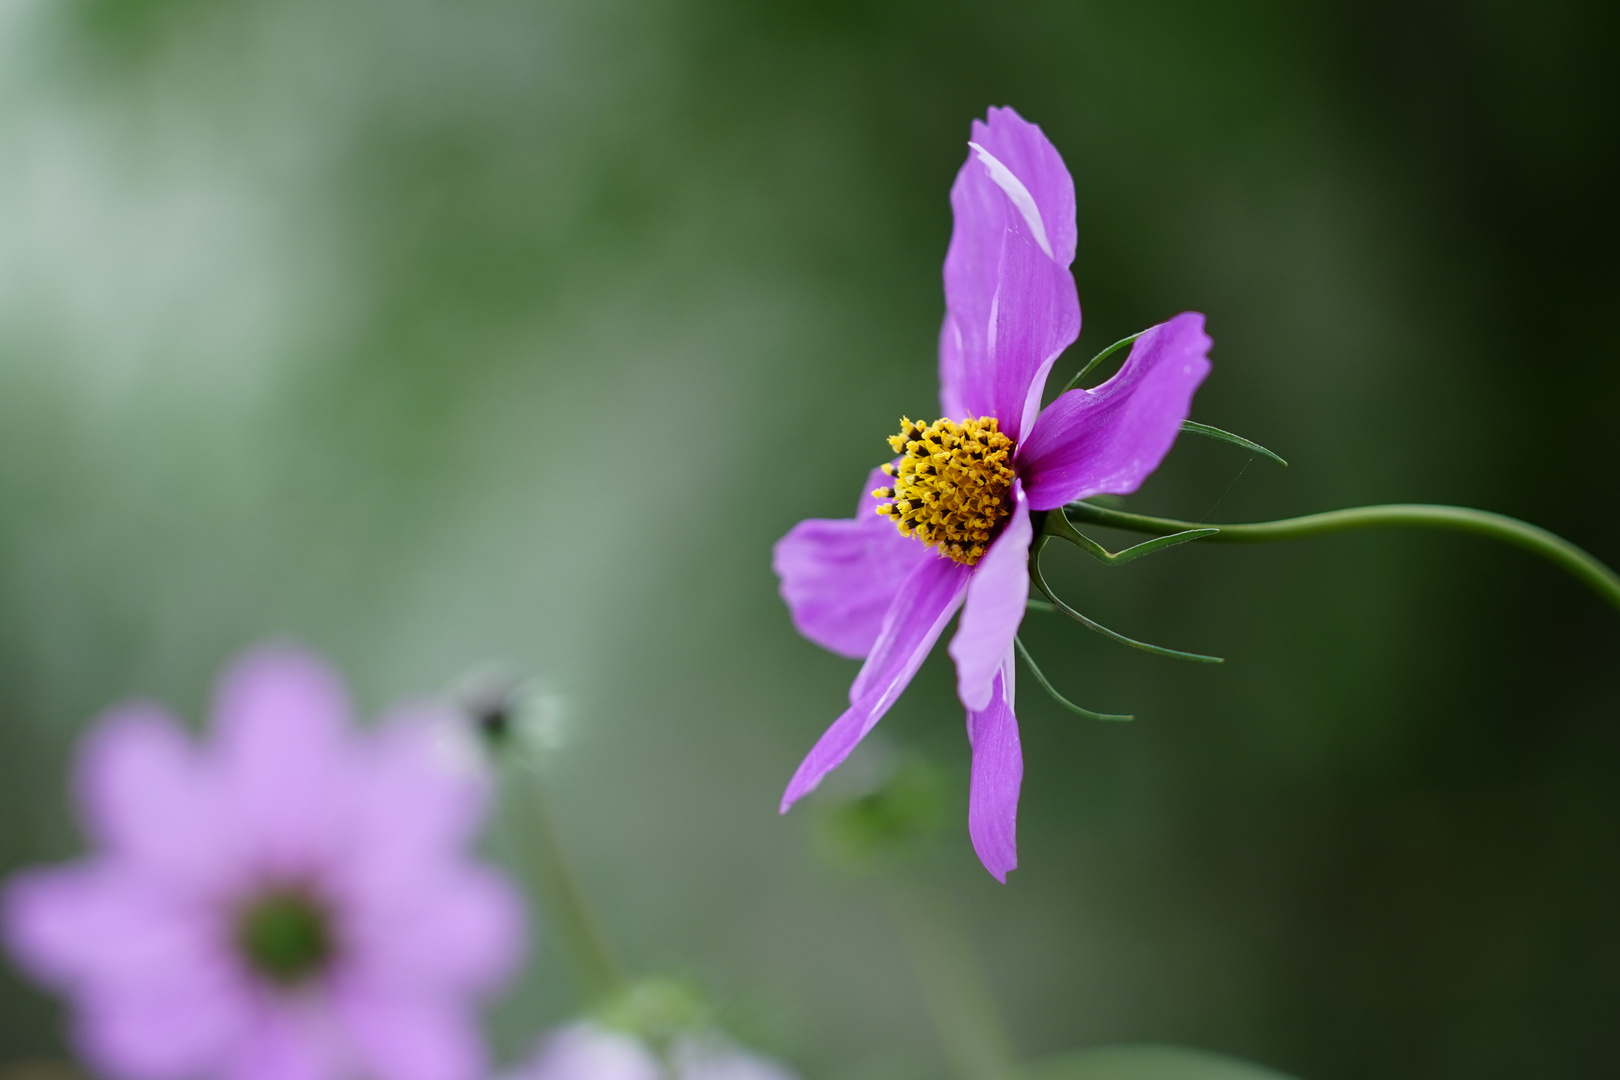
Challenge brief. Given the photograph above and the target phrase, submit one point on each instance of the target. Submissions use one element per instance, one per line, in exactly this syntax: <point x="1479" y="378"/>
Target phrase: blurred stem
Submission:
<point x="953" y="984"/>
<point x="1550" y="546"/>
<point x="568" y="920"/>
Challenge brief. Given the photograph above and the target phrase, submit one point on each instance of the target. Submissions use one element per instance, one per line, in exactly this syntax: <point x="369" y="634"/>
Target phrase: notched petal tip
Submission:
<point x="136" y="761"/>
<point x="1030" y="156"/>
<point x="281" y="690"/>
<point x="1011" y="300"/>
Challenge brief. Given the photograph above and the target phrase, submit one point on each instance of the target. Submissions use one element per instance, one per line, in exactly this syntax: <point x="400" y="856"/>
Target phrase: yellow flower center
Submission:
<point x="950" y="487"/>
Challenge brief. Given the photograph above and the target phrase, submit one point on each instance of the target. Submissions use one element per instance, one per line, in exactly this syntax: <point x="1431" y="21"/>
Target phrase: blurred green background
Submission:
<point x="433" y="333"/>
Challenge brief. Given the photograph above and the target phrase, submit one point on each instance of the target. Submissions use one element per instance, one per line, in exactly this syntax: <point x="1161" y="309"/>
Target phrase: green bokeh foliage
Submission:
<point x="431" y="333"/>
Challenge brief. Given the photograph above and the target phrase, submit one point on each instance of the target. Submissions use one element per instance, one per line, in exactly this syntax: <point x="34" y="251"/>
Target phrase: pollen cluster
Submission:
<point x="951" y="484"/>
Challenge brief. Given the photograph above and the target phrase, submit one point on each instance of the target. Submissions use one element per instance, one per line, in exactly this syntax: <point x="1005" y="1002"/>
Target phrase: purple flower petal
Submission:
<point x="419" y="802"/>
<point x="171" y="1024"/>
<point x="144" y="796"/>
<point x="994" y="607"/>
<point x="282" y="718"/>
<point x="155" y="997"/>
<point x="286" y="1044"/>
<point x="953" y="374"/>
<point x="916" y="618"/>
<point x="145" y="938"/>
<point x="1110" y="438"/>
<point x="840" y="576"/>
<point x="406" y="1037"/>
<point x="96" y="921"/>
<point x="417" y="913"/>
<point x="998" y="773"/>
<point x="1025" y="150"/>
<point x="1010" y="299"/>
<point x="462" y="930"/>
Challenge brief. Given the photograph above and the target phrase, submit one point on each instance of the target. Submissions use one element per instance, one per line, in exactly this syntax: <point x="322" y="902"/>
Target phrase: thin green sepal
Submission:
<point x="1099" y="358"/>
<point x="1090" y="624"/>
<point x="1046" y="685"/>
<point x="1193" y="427"/>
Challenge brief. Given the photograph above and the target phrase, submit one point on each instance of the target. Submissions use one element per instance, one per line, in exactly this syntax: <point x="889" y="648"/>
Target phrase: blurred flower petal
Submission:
<point x="283" y="718"/>
<point x="463" y="929"/>
<point x="352" y="919"/>
<point x="406" y="1037"/>
<point x="144" y="795"/>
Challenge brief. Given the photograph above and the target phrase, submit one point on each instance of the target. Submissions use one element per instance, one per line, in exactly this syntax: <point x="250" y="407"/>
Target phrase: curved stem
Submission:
<point x="1555" y="549"/>
<point x="1046" y="684"/>
<point x="562" y="901"/>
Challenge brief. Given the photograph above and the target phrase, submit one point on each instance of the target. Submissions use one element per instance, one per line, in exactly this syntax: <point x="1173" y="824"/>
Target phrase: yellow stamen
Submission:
<point x="950" y="486"/>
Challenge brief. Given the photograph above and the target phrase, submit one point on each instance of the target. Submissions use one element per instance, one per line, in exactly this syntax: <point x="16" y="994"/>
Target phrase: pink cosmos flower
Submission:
<point x="963" y="488"/>
<point x="290" y="900"/>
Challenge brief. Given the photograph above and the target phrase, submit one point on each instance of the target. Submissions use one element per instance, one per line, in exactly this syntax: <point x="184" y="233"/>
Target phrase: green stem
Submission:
<point x="1598" y="577"/>
<point x="568" y="920"/>
<point x="952" y="983"/>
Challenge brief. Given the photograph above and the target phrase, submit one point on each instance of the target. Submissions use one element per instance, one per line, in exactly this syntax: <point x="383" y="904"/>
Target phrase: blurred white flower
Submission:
<point x="542" y="717"/>
<point x="712" y="1056"/>
<point x="523" y="713"/>
<point x="586" y="1051"/>
<point x="589" y="1051"/>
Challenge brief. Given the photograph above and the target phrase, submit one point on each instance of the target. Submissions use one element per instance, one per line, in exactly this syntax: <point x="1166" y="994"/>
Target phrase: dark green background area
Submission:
<point x="431" y="333"/>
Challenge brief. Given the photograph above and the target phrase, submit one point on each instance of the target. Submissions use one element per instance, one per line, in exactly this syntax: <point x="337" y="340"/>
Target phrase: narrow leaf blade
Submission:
<point x="1192" y="427"/>
<point x="1099" y="358"/>
<point x="1112" y="635"/>
<point x="1046" y="685"/>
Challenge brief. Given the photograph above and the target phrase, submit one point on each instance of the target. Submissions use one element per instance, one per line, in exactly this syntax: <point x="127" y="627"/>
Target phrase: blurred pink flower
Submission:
<point x="588" y="1051"/>
<point x="291" y="900"/>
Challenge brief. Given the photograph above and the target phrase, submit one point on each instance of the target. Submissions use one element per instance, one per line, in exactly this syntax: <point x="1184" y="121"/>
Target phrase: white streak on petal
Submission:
<point x="1017" y="192"/>
<point x="990" y="332"/>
